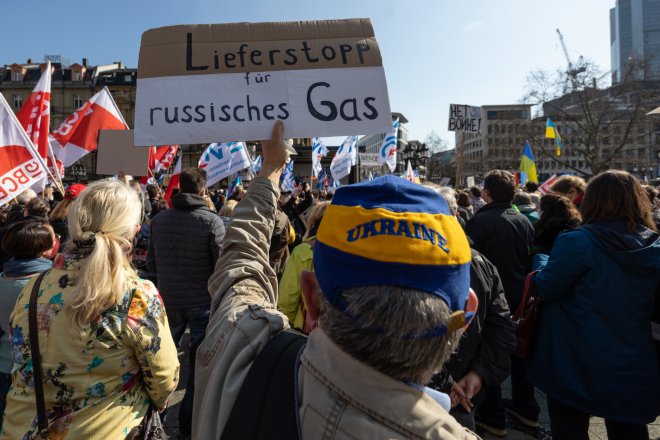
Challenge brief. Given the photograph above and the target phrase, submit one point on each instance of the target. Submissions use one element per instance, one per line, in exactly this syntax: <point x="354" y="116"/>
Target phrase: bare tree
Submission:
<point x="596" y="119"/>
<point x="435" y="143"/>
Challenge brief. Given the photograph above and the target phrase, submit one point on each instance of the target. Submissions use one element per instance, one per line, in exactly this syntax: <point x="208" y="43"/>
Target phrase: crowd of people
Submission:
<point x="382" y="310"/>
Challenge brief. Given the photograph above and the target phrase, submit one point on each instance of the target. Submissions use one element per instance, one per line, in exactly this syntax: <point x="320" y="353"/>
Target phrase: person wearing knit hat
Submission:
<point x="390" y="294"/>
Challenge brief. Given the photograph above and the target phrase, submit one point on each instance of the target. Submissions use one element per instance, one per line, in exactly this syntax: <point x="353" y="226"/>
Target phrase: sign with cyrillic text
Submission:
<point x="231" y="82"/>
<point x="464" y="118"/>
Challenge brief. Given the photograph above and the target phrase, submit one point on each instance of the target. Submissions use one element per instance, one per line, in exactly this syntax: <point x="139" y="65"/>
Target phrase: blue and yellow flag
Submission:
<point x="551" y="132"/>
<point x="527" y="166"/>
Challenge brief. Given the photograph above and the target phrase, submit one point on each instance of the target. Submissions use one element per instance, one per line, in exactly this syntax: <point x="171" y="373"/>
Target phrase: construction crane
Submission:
<point x="572" y="71"/>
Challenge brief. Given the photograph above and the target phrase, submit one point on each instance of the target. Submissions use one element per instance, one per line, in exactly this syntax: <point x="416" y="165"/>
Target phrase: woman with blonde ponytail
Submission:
<point x="106" y="349"/>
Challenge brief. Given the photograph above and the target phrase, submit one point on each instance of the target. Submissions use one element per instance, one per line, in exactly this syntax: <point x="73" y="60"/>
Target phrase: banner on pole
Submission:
<point x="230" y="82"/>
<point x="464" y="118"/>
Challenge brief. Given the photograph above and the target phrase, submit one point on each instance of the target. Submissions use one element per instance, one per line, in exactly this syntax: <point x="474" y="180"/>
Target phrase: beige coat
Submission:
<point x="341" y="397"/>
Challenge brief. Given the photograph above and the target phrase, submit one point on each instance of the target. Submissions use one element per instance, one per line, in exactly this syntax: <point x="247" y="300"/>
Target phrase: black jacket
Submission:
<point x="505" y="237"/>
<point x="186" y="242"/>
<point x="490" y="339"/>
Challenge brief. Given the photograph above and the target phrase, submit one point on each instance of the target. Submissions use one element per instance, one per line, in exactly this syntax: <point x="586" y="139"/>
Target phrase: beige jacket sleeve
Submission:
<point x="244" y="314"/>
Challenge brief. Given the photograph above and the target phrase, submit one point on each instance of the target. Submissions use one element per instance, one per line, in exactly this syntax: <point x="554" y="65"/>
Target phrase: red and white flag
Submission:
<point x="545" y="186"/>
<point x="79" y="133"/>
<point x="20" y="164"/>
<point x="174" y="183"/>
<point x="160" y="158"/>
<point x="34" y="117"/>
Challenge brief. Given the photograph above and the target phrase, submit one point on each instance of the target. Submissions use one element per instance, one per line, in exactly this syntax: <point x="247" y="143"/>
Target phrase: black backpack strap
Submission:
<point x="266" y="406"/>
<point x="37" y="371"/>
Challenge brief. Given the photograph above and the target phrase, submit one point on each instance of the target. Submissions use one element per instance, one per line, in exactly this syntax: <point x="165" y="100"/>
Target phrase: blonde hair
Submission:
<point x="106" y="215"/>
<point x="314" y="218"/>
<point x="228" y="209"/>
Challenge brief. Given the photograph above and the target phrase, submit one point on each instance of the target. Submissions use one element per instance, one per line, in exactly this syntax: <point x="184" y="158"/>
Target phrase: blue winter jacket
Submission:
<point x="593" y="349"/>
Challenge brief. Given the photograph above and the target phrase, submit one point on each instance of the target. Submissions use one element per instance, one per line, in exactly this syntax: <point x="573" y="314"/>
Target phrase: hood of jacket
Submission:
<point x="188" y="201"/>
<point x="637" y="251"/>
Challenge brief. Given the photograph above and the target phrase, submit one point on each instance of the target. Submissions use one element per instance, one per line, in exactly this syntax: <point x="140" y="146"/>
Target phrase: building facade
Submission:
<point x="498" y="145"/>
<point x="635" y="36"/>
<point x="71" y="86"/>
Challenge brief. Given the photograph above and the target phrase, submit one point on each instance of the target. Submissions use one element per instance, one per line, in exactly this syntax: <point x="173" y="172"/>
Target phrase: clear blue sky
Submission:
<point x="435" y="52"/>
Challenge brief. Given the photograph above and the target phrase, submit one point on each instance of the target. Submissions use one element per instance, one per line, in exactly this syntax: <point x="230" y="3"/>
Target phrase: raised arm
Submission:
<point x="247" y="238"/>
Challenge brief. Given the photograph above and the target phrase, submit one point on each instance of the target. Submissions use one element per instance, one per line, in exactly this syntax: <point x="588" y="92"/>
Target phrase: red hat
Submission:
<point x="74" y="191"/>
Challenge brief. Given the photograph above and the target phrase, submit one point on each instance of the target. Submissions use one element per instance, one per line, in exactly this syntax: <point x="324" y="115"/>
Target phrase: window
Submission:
<point x="18" y="102"/>
<point x="128" y="77"/>
<point x="16" y="76"/>
<point x="77" y="101"/>
<point x="76" y="75"/>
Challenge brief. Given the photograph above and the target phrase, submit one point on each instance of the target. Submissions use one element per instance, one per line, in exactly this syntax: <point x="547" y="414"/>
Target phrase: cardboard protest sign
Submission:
<point x="231" y="82"/>
<point x="117" y="154"/>
<point x="464" y="118"/>
<point x="369" y="159"/>
<point x="469" y="181"/>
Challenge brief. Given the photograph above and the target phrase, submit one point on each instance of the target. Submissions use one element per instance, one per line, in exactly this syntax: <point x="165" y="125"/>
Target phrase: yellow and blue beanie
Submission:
<point x="393" y="232"/>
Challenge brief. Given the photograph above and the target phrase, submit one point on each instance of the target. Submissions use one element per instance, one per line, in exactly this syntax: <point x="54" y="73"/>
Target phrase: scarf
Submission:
<point x="17" y="267"/>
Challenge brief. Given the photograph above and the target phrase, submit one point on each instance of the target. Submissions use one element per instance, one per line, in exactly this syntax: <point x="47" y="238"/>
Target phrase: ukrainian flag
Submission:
<point x="551" y="132"/>
<point x="527" y="166"/>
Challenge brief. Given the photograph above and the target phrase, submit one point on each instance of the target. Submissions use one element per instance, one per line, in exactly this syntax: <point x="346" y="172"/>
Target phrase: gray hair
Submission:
<point x="27" y="195"/>
<point x="447" y="193"/>
<point x="382" y="327"/>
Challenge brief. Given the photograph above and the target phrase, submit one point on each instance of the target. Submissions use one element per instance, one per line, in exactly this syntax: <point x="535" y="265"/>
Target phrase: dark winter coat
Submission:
<point x="186" y="242"/>
<point x="505" y="238"/>
<point x="489" y="340"/>
<point x="593" y="349"/>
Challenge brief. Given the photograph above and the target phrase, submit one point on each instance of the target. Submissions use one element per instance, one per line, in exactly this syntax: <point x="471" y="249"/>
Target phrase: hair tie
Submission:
<point x="86" y="245"/>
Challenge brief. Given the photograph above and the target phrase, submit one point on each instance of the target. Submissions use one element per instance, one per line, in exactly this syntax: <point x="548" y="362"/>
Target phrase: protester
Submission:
<point x="105" y="346"/>
<point x="153" y="194"/>
<point x="475" y="199"/>
<point x="594" y="353"/>
<point x="58" y="216"/>
<point x="226" y="211"/>
<point x="523" y="202"/>
<point x="463" y="201"/>
<point x="29" y="243"/>
<point x="652" y="194"/>
<point x="483" y="355"/>
<point x="37" y="208"/>
<point x="384" y="325"/>
<point x="505" y="238"/>
<point x="571" y="187"/>
<point x="532" y="188"/>
<point x="291" y="301"/>
<point x="17" y="211"/>
<point x="558" y="215"/>
<point x="295" y="206"/>
<point x="186" y="242"/>
<point x="278" y="253"/>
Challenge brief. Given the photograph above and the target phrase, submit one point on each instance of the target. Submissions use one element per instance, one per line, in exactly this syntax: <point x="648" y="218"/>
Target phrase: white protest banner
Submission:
<point x="464" y="118"/>
<point x="20" y="163"/>
<point x="469" y="181"/>
<point x="340" y="166"/>
<point x="117" y="154"/>
<point x="369" y="159"/>
<point x="221" y="160"/>
<point x="228" y="82"/>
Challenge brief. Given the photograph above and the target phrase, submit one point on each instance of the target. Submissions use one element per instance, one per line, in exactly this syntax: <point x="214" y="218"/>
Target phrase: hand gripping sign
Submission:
<point x="231" y="82"/>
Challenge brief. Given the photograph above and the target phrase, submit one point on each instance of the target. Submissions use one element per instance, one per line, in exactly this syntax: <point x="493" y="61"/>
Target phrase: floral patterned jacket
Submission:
<point x="98" y="384"/>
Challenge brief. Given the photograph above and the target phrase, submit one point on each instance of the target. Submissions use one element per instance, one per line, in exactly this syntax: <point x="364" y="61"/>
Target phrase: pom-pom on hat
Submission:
<point x="391" y="232"/>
